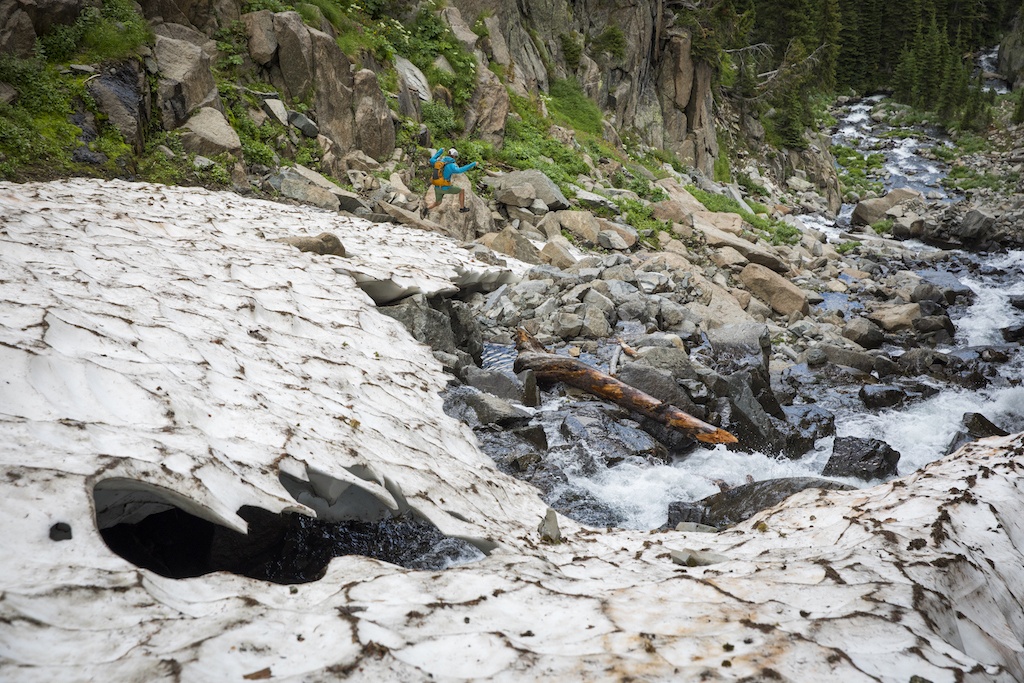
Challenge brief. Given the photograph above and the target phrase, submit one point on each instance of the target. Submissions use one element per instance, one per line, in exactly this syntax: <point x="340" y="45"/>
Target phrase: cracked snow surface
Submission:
<point x="155" y="336"/>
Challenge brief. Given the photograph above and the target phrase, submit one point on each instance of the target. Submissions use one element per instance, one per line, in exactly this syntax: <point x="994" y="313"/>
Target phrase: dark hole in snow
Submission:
<point x="61" y="531"/>
<point x="281" y="548"/>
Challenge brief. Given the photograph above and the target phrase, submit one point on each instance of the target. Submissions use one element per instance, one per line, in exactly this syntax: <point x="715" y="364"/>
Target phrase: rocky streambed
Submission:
<point x="832" y="368"/>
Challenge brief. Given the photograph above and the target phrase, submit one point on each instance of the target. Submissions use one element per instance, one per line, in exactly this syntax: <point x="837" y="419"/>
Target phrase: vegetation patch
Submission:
<point x="883" y="226"/>
<point x="571" y="107"/>
<point x="774" y="231"/>
<point x="856" y="169"/>
<point x="112" y="31"/>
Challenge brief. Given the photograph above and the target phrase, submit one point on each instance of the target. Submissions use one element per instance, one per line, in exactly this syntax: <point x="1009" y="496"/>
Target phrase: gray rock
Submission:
<point x="974" y="426"/>
<point x="881" y="395"/>
<point x="210" y="134"/>
<point x="865" y="333"/>
<point x="657" y="383"/>
<point x="118" y="94"/>
<point x="185" y="82"/>
<point x="543" y="186"/>
<point x="304" y="124"/>
<point x="375" y="129"/>
<point x="424" y="323"/>
<point x="611" y="240"/>
<point x="294" y="56"/>
<point x="262" y="40"/>
<point x="865" y="459"/>
<point x="743" y="502"/>
<point x="496" y="383"/>
<point x="276" y="110"/>
<point x="413" y="78"/>
<point x="517" y="195"/>
<point x="595" y="324"/>
<point x="854" y="359"/>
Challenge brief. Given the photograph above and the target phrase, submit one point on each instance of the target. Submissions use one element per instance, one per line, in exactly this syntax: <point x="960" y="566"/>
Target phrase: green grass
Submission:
<point x="966" y="178"/>
<point x="854" y="168"/>
<point x="110" y="32"/>
<point x="571" y="107"/>
<point x="641" y="217"/>
<point x="883" y="226"/>
<point x="772" y="230"/>
<point x="847" y="247"/>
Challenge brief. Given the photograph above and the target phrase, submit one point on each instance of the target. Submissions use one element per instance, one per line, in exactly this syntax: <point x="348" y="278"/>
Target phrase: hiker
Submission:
<point x="443" y="168"/>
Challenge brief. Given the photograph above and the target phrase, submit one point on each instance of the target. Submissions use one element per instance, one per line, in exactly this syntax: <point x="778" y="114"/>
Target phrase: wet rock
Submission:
<point x="1017" y="301"/>
<point x="658" y="383"/>
<point x="805" y="424"/>
<point x="881" y="395"/>
<point x="496" y="383"/>
<point x="1013" y="333"/>
<point x="865" y="333"/>
<point x="974" y="426"/>
<point x="742" y="414"/>
<point x="850" y="358"/>
<point x="865" y="459"/>
<point x="743" y="502"/>
<point x="478" y="408"/>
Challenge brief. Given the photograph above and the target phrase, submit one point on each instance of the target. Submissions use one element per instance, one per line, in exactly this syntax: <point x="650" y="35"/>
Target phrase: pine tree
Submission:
<point x="1018" y="113"/>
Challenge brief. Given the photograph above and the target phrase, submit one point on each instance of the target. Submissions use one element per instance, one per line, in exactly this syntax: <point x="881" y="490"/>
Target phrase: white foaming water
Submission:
<point x="991" y="310"/>
<point x="641" y="493"/>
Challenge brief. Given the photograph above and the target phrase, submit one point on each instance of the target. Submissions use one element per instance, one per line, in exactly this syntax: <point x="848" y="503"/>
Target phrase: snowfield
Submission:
<point x="157" y="344"/>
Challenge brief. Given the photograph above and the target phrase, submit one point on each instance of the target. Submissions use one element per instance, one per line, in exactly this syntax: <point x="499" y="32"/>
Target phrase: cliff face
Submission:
<point x="648" y="82"/>
<point x="1011" y="53"/>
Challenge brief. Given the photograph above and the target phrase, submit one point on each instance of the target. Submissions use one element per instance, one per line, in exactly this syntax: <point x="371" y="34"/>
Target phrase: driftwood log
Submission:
<point x="552" y="367"/>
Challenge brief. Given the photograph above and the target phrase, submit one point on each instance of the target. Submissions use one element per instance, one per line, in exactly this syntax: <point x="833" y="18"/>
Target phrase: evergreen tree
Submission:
<point x="1018" y="113"/>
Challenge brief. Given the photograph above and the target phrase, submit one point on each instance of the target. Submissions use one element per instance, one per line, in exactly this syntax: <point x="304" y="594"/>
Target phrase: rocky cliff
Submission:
<point x="1011" y="53"/>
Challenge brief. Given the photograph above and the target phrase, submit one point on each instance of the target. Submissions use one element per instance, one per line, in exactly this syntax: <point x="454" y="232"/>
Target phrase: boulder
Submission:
<point x="881" y="395"/>
<point x="684" y="202"/>
<point x="262" y="39"/>
<point x="488" y="109"/>
<point x="658" y="383"/>
<point x="209" y="133"/>
<point x="558" y="253"/>
<point x="865" y="333"/>
<point x="755" y="253"/>
<point x="185" y="83"/>
<point x="782" y="295"/>
<point x="583" y="224"/>
<point x="375" y="129"/>
<point x="865" y="459"/>
<point x="974" y="426"/>
<point x="305" y="124"/>
<point x="512" y="243"/>
<point x="517" y="195"/>
<point x="324" y="243"/>
<point x="275" y="109"/>
<point x="975" y="228"/>
<point x="294" y="75"/>
<point x="119" y="94"/>
<point x="544" y="187"/>
<point x="805" y="424"/>
<point x="743" y="502"/>
<point x="896" y="317"/>
<point x="494" y="382"/>
<point x="333" y="97"/>
<point x="410" y="75"/>
<point x="627" y="233"/>
<point x="850" y="358"/>
<point x="869" y="211"/>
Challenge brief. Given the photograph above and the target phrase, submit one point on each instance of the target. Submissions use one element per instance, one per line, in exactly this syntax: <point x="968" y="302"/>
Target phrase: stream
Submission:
<point x="635" y="491"/>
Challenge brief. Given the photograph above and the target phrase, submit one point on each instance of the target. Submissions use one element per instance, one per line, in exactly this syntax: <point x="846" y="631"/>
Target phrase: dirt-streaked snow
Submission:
<point x="155" y="335"/>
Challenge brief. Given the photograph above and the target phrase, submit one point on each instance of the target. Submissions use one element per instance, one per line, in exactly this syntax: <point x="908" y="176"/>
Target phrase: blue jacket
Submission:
<point x="450" y="167"/>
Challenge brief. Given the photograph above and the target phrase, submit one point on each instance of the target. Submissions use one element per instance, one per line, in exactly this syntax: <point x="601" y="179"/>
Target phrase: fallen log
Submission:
<point x="551" y="367"/>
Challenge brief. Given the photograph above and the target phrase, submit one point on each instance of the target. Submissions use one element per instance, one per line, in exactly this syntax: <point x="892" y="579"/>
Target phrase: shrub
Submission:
<point x="113" y="31"/>
<point x="847" y="247"/>
<point x="572" y="49"/>
<point x="440" y="119"/>
<point x="612" y="40"/>
<point x="776" y="232"/>
<point x="883" y="226"/>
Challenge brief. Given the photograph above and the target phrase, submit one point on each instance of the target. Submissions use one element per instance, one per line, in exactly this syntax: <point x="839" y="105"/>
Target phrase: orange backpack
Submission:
<point x="436" y="175"/>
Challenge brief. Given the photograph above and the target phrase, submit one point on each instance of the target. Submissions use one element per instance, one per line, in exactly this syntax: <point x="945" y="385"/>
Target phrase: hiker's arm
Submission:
<point x="437" y="155"/>
<point x="463" y="169"/>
